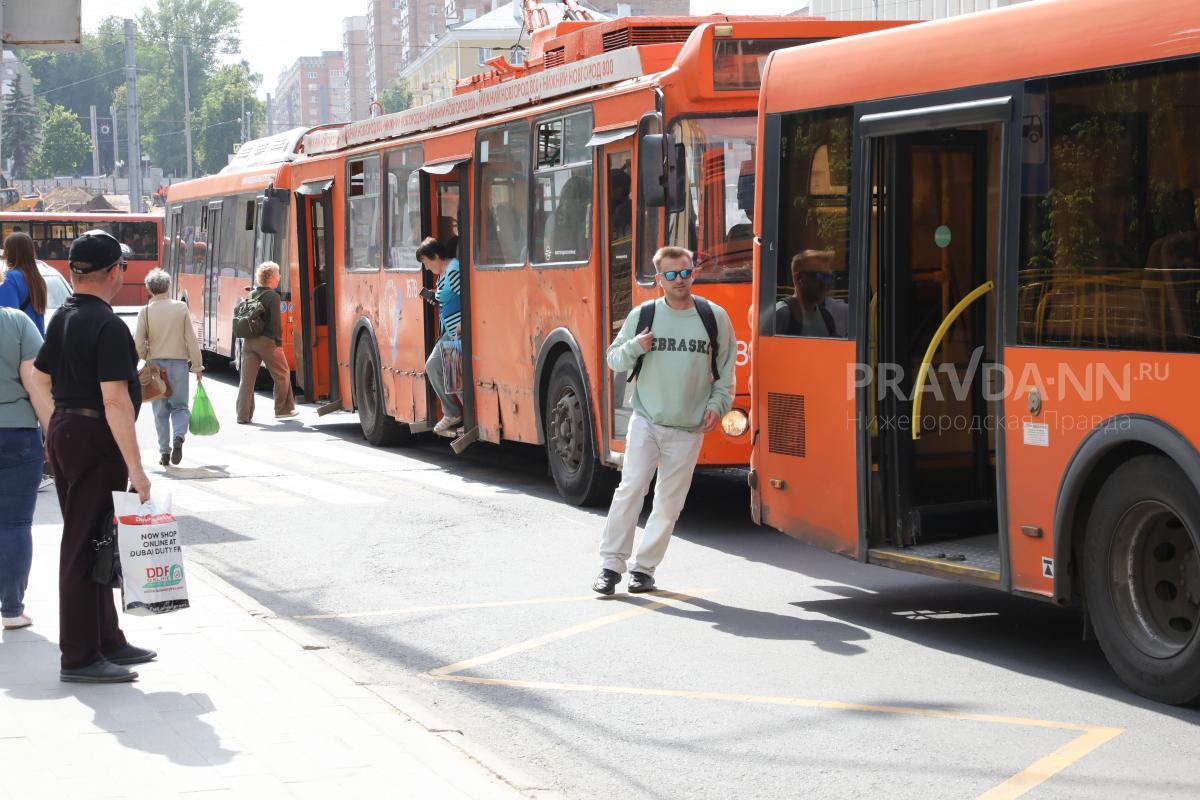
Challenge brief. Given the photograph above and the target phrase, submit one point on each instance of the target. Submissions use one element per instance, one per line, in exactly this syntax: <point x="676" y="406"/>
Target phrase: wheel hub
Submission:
<point x="1155" y="570"/>
<point x="566" y="431"/>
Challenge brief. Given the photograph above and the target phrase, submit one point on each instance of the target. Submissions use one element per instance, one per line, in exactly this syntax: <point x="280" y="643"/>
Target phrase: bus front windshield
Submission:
<point x="718" y="203"/>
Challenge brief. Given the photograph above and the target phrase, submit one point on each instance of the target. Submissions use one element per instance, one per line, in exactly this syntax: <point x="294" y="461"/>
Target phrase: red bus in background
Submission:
<point x="53" y="233"/>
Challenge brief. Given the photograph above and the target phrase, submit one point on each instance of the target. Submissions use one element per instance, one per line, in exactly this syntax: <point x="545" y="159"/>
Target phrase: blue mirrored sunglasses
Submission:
<point x="677" y="273"/>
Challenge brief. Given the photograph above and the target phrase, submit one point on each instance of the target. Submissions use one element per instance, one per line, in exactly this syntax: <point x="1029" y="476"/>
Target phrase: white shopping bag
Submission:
<point x="152" y="580"/>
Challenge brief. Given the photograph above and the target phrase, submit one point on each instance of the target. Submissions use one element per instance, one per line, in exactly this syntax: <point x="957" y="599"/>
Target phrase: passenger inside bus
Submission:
<point x="809" y="311"/>
<point x="448" y="235"/>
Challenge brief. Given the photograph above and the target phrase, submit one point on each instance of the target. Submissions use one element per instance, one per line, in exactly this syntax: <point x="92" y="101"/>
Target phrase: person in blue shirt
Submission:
<point x="23" y="287"/>
<point x="448" y="296"/>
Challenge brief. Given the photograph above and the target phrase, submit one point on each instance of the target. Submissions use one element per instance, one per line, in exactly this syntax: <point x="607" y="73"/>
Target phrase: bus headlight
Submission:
<point x="735" y="423"/>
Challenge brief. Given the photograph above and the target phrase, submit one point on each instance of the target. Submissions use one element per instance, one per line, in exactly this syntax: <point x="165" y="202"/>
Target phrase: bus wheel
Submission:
<point x="1141" y="571"/>
<point x="378" y="427"/>
<point x="570" y="445"/>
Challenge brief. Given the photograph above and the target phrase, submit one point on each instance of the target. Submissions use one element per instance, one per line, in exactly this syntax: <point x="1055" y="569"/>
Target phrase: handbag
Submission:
<point x="452" y="376"/>
<point x="106" y="565"/>
<point x="152" y="377"/>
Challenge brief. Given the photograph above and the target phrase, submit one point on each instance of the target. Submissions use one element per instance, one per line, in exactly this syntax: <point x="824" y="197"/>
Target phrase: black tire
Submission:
<point x="570" y="442"/>
<point x="378" y="427"/>
<point x="1141" y="572"/>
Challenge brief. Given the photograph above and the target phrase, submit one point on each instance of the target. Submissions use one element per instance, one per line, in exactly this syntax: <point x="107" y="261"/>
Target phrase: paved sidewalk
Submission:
<point x="236" y="706"/>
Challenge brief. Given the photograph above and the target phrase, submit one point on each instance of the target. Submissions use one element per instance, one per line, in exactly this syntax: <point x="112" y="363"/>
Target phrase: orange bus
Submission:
<point x="53" y="233"/>
<point x="556" y="180"/>
<point x="1002" y="208"/>
<point x="220" y="227"/>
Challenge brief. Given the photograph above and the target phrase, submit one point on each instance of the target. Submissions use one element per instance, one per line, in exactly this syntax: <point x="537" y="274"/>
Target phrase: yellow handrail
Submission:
<point x="918" y="395"/>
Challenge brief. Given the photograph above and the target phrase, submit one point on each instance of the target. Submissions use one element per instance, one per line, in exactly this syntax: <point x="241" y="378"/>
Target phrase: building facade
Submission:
<point x="310" y="92"/>
<point x="385" y="44"/>
<point x="356" y="88"/>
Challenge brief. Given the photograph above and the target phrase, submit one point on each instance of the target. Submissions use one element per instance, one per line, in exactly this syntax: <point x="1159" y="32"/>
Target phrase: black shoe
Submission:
<point x="606" y="581"/>
<point x="177" y="450"/>
<point x="129" y="654"/>
<point x="641" y="582"/>
<point x="97" y="672"/>
<point x="164" y="459"/>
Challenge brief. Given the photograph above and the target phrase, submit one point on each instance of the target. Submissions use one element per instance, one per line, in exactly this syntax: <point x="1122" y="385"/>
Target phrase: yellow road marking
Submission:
<point x="504" y="652"/>
<point x="1091" y="736"/>
<point x="1037" y="773"/>
<point x="385" y="612"/>
<point x="1045" y="768"/>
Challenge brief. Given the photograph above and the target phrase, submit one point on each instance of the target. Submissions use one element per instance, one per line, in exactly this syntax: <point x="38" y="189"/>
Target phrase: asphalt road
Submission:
<point x="766" y="669"/>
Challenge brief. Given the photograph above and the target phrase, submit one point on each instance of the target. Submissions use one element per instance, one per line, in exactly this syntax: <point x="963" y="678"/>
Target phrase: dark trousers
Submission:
<point x="88" y="468"/>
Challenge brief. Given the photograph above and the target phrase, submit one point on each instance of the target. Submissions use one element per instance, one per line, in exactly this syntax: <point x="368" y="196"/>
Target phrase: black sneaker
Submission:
<point x="98" y="672"/>
<point x="164" y="459"/>
<point x="641" y="582"/>
<point x="130" y="655"/>
<point x="177" y="450"/>
<point x="606" y="581"/>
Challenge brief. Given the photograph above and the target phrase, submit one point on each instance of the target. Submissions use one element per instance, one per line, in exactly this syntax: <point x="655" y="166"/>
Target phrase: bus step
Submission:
<point x="464" y="441"/>
<point x="942" y="521"/>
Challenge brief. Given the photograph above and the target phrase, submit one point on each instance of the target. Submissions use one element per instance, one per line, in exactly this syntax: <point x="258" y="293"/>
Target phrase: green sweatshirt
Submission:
<point x="675" y="386"/>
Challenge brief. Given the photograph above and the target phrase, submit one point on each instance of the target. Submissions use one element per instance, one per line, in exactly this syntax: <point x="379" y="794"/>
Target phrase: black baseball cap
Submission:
<point x="94" y="251"/>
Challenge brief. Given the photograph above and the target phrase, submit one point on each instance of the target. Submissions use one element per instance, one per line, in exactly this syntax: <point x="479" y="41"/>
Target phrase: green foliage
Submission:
<point x="217" y="122"/>
<point x="20" y="129"/>
<point x="207" y="28"/>
<point x="64" y="146"/>
<point x="396" y="99"/>
<point x="82" y="78"/>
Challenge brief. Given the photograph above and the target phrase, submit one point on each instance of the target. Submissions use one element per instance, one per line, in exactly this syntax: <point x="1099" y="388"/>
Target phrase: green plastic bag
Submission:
<point x="204" y="418"/>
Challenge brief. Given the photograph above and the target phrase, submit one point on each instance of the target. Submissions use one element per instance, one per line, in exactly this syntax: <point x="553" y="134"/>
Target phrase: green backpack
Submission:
<point x="249" y="316"/>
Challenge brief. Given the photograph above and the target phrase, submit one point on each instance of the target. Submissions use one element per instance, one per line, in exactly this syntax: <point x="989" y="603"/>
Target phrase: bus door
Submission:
<point x="212" y="274"/>
<point x="448" y="188"/>
<point x="934" y="246"/>
<point x="616" y="253"/>
<point x="316" y="366"/>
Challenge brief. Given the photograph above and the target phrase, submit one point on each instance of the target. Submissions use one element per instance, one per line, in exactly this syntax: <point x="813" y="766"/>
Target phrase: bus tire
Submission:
<point x="378" y="427"/>
<point x="1141" y="571"/>
<point x="570" y="442"/>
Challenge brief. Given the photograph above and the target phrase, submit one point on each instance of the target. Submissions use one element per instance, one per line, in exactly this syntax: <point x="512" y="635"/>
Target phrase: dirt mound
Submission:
<point x="66" y="198"/>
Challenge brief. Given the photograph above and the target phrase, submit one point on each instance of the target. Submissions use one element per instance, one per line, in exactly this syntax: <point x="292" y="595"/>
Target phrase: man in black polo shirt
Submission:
<point x="89" y="365"/>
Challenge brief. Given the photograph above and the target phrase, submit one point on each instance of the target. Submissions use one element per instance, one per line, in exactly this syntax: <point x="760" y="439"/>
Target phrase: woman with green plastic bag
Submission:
<point x="204" y="418"/>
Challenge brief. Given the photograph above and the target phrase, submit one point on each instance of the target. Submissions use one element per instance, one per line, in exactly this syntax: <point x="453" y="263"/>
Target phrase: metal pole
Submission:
<point x="95" y="143"/>
<point x="243" y="139"/>
<point x="187" y="113"/>
<point x="134" y="147"/>
<point x="112" y="113"/>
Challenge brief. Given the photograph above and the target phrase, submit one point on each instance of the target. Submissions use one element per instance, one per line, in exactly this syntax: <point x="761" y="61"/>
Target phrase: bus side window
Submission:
<point x="504" y="195"/>
<point x="562" y="231"/>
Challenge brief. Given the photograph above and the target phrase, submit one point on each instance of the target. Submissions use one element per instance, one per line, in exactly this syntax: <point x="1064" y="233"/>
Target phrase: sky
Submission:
<point x="277" y="32"/>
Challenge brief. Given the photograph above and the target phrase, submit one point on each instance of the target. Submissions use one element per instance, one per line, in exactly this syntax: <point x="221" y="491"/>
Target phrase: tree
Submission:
<point x="20" y="129"/>
<point x="84" y="77"/>
<point x="64" y="145"/>
<point x="218" y="120"/>
<point x="207" y="29"/>
<point x="396" y="99"/>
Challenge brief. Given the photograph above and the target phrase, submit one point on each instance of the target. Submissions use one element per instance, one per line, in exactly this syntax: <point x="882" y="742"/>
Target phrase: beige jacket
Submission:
<point x="168" y="333"/>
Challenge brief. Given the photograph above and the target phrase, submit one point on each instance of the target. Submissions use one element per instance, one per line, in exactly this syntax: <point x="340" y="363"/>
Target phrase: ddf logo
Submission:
<point x="163" y="577"/>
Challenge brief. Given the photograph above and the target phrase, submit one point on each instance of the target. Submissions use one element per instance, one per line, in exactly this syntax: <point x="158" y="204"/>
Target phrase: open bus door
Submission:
<point x="935" y="242"/>
<point x="448" y="188"/>
<point x="316" y="366"/>
<point x="616" y="159"/>
<point x="211" y="226"/>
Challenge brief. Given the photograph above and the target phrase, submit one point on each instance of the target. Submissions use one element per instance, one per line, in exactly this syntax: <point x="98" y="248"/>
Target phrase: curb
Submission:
<point x="403" y="704"/>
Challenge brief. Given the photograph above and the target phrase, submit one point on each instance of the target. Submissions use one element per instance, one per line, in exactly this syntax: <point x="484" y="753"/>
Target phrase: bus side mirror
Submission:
<point x="274" y="211"/>
<point x="662" y="178"/>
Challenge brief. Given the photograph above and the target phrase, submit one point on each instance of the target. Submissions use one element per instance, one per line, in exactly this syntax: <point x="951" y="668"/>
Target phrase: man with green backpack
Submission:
<point x="258" y="323"/>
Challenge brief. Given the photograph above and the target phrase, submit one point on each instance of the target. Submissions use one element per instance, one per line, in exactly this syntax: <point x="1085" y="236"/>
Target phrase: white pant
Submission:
<point x="673" y="452"/>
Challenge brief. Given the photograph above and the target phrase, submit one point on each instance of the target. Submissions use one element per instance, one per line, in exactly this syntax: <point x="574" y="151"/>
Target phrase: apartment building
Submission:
<point x="356" y="88"/>
<point x="311" y="92"/>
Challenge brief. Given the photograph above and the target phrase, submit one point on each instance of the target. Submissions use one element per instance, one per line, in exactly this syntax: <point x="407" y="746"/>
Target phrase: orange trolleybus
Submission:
<point x="220" y="227"/>
<point x="554" y="182"/>
<point x="53" y="233"/>
<point x="1003" y="209"/>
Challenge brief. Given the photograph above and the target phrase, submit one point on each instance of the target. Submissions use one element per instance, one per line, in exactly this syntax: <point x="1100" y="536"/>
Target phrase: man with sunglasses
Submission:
<point x="88" y="364"/>
<point x="682" y="389"/>
<point x="808" y="311"/>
